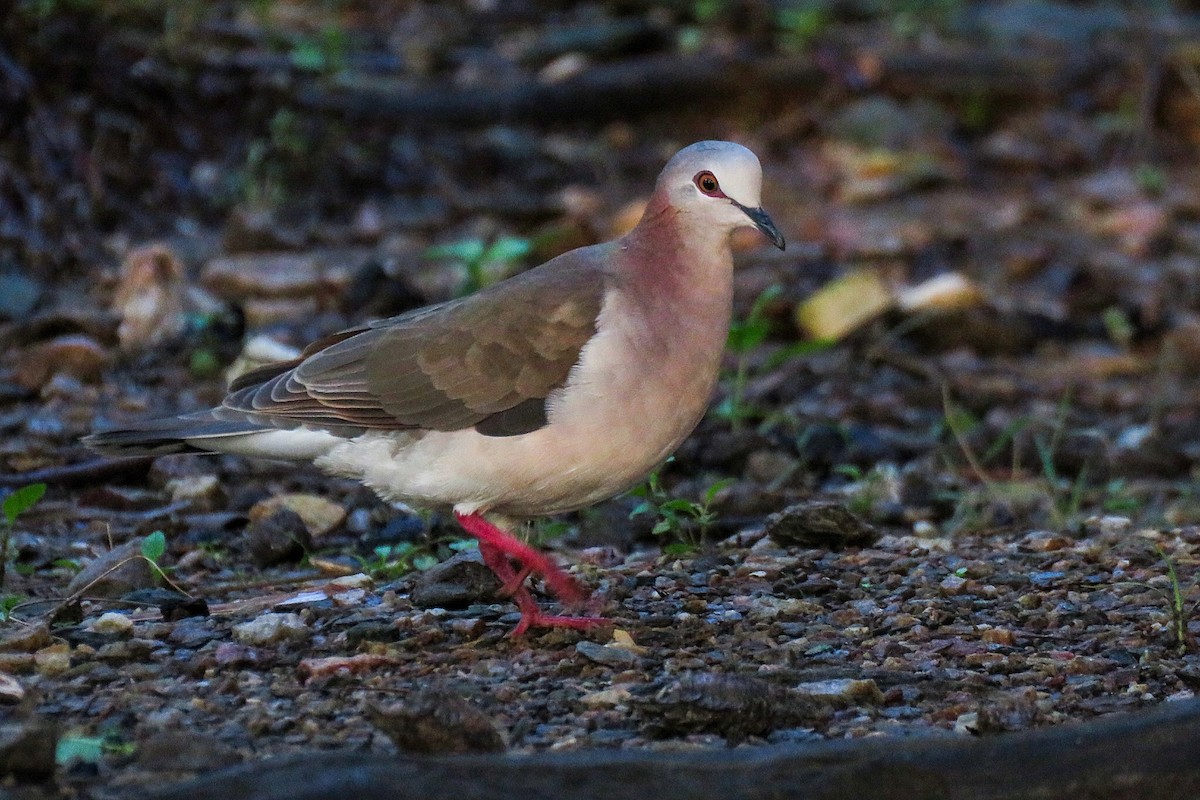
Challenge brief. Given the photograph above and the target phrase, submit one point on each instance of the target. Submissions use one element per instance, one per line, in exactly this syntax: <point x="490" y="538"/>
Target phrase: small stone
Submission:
<point x="768" y="466"/>
<point x="999" y="636"/>
<point x="11" y="690"/>
<point x="53" y="660"/>
<point x="27" y="748"/>
<point x="967" y="724"/>
<point x="23" y="639"/>
<point x="203" y="492"/>
<point x="184" y="751"/>
<point x="114" y="573"/>
<point x="280" y="275"/>
<point x="606" y="698"/>
<point x="819" y="523"/>
<point x="277" y="538"/>
<point x="358" y="580"/>
<point x="272" y="629"/>
<point x="1043" y="542"/>
<point x="847" y="689"/>
<point x="19" y="295"/>
<point x="605" y="654"/>
<point x="150" y="297"/>
<point x="455" y="583"/>
<point x="437" y="721"/>
<point x="111" y="623"/>
<point x="952" y="585"/>
<point x="1114" y="526"/>
<point x="320" y="516"/>
<point x="75" y="354"/>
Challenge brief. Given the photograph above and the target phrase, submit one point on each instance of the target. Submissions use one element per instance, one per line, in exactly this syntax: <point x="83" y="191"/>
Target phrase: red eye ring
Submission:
<point x="707" y="183"/>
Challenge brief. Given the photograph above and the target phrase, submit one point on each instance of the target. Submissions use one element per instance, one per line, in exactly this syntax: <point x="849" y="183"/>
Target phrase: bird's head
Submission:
<point x="718" y="184"/>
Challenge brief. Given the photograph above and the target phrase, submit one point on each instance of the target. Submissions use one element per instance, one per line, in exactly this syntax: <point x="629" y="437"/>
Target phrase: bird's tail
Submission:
<point x="183" y="434"/>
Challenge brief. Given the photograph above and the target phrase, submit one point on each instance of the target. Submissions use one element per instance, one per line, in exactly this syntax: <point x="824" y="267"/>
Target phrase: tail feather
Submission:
<point x="183" y="434"/>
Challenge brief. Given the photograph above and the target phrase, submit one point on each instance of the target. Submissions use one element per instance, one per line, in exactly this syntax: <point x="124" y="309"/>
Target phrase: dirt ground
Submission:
<point x="947" y="486"/>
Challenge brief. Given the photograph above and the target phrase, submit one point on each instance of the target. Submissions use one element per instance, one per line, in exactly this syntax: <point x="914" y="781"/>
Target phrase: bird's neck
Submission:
<point x="679" y="264"/>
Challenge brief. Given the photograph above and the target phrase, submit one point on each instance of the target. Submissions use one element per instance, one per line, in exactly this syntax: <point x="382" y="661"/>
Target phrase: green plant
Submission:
<point x="800" y="24"/>
<point x="390" y="561"/>
<point x="482" y="264"/>
<point x="1064" y="498"/>
<point x="14" y="506"/>
<point x="273" y="161"/>
<point x="544" y="529"/>
<point x="746" y="336"/>
<point x="9" y="604"/>
<point x="325" y="52"/>
<point x="1176" y="602"/>
<point x="1119" y="498"/>
<point x="1150" y="179"/>
<point x="1118" y="326"/>
<point x="685" y="521"/>
<point x="868" y="489"/>
<point x="154" y="547"/>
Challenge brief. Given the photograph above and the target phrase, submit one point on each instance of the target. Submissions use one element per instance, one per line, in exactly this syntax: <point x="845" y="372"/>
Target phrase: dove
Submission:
<point x="544" y="393"/>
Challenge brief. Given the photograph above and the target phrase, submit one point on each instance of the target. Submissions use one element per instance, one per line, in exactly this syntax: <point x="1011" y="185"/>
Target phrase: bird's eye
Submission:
<point x="707" y="183"/>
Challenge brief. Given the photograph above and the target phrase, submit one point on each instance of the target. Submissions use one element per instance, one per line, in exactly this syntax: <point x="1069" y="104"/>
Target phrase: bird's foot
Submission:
<point x="532" y="616"/>
<point x="500" y="549"/>
<point x="506" y="546"/>
<point x="540" y="620"/>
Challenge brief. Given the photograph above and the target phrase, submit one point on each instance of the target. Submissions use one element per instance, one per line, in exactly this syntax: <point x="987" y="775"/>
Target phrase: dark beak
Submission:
<point x="764" y="224"/>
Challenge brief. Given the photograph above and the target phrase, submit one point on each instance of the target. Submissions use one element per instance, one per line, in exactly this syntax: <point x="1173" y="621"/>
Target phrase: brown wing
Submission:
<point x="487" y="361"/>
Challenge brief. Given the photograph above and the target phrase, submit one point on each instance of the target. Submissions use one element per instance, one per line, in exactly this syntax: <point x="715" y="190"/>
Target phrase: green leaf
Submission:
<point x="507" y="249"/>
<point x="8" y="604"/>
<point x="85" y="749"/>
<point x="641" y="508"/>
<point x="309" y="56"/>
<point x="663" y="526"/>
<point x="469" y="251"/>
<point x="424" y="561"/>
<point x="713" y="490"/>
<point x="22" y="500"/>
<point x="153" y="546"/>
<point x="799" y="350"/>
<point x="678" y="549"/>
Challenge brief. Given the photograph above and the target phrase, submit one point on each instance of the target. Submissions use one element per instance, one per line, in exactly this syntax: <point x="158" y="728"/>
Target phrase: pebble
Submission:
<point x="272" y="629"/>
<point x="53" y="660"/>
<point x="27" y="748"/>
<point x="76" y="354"/>
<point x="203" y="492"/>
<point x="606" y="654"/>
<point x="111" y="623"/>
<point x="114" y="573"/>
<point x="849" y="689"/>
<point x="320" y="516"/>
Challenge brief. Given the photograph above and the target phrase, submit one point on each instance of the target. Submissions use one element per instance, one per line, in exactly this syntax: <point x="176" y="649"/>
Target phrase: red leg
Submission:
<point x="498" y="547"/>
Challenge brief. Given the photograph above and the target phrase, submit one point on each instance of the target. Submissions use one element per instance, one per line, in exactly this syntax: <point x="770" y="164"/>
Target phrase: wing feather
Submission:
<point x="490" y="360"/>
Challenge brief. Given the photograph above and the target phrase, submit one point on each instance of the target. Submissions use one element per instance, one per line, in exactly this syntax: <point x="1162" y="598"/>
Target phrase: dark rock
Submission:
<point x="185" y="751"/>
<point x="27" y="749"/>
<point x="819" y="524"/>
<point x="455" y="583"/>
<point x="371" y="632"/>
<point x="114" y="573"/>
<point x="733" y="706"/>
<point x="436" y="721"/>
<point x="607" y="655"/>
<point x="278" y="538"/>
